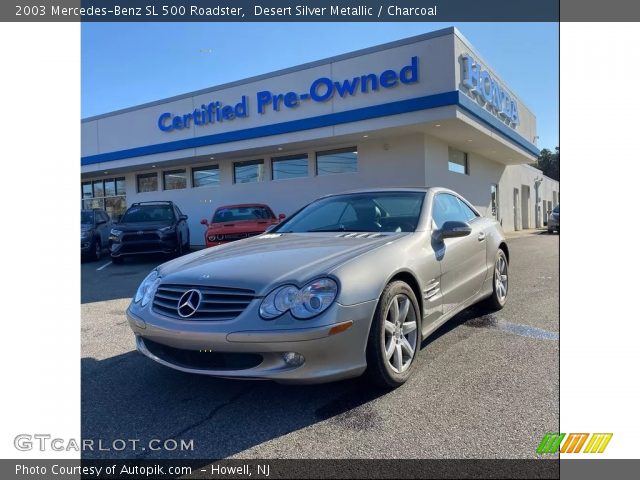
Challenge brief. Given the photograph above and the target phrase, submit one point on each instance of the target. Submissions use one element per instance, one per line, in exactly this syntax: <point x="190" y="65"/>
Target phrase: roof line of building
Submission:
<point x="454" y="97"/>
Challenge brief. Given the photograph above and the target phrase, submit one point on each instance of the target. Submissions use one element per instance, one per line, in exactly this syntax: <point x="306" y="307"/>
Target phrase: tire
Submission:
<point x="398" y="333"/>
<point x="117" y="260"/>
<point x="179" y="248"/>
<point x="500" y="282"/>
<point x="96" y="250"/>
<point x="549" y="231"/>
<point x="187" y="245"/>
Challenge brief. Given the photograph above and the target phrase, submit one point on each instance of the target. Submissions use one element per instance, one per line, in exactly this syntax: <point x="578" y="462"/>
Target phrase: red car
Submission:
<point x="234" y="222"/>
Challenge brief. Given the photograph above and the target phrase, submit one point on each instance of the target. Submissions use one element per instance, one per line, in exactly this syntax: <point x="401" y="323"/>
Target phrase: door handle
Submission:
<point x="481" y="236"/>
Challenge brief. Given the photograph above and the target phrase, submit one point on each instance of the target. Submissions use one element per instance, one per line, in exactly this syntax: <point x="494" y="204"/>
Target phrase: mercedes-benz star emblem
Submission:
<point x="189" y="303"/>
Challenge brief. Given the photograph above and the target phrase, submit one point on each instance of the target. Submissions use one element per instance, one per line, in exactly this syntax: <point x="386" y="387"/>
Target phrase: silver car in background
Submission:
<point x="553" y="223"/>
<point x="351" y="283"/>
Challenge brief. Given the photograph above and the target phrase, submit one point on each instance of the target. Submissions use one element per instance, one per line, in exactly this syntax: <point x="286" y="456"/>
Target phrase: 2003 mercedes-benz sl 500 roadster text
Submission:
<point x="351" y="283"/>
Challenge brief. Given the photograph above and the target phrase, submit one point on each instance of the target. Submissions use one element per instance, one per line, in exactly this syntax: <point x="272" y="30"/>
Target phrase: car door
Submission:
<point x="105" y="228"/>
<point x="463" y="264"/>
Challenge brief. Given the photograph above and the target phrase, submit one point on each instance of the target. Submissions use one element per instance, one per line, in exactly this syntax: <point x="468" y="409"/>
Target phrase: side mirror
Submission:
<point x="101" y="222"/>
<point x="204" y="222"/>
<point x="452" y="229"/>
<point x="184" y="217"/>
<point x="282" y="216"/>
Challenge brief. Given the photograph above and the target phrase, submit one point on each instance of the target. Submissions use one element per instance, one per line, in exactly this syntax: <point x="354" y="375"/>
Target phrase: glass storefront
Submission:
<point x="108" y="194"/>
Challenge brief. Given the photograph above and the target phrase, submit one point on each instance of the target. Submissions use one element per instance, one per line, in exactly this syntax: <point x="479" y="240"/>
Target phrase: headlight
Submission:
<point x="147" y="288"/>
<point x="307" y="302"/>
<point x="115" y="232"/>
<point x="166" y="229"/>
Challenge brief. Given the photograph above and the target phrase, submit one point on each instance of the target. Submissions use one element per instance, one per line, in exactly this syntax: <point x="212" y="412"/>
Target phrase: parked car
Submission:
<point x="553" y="223"/>
<point x="95" y="226"/>
<point x="235" y="222"/>
<point x="350" y="283"/>
<point x="150" y="227"/>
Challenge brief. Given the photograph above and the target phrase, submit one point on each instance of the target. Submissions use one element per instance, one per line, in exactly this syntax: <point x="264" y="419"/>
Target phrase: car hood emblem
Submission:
<point x="189" y="303"/>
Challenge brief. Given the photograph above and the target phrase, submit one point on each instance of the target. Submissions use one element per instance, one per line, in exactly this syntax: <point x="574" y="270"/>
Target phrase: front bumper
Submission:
<point x="85" y="246"/>
<point x="328" y="357"/>
<point x="161" y="244"/>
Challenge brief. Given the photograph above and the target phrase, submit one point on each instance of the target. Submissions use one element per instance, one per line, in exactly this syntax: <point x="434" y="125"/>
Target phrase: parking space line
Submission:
<point x="103" y="266"/>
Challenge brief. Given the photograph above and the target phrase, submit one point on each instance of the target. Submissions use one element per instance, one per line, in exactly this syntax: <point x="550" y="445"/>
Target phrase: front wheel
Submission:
<point x="498" y="296"/>
<point x="394" y="338"/>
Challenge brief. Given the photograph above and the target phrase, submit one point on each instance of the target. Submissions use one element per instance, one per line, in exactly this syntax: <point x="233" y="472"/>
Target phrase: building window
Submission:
<point x="110" y="187"/>
<point x="337" y="161"/>
<point x="208" y="176"/>
<point x="248" y="172"/>
<point x="292" y="166"/>
<point x="87" y="190"/>
<point x="458" y="161"/>
<point x="174" y="179"/>
<point x="147" y="182"/>
<point x="98" y="188"/>
<point x="108" y="194"/>
<point x="121" y="188"/>
<point x="495" y="212"/>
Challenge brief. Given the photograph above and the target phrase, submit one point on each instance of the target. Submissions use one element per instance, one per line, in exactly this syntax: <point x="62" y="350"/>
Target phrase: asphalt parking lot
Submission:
<point x="485" y="386"/>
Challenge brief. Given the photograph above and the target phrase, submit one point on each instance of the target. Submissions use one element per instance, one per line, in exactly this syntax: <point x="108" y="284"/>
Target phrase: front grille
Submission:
<point x="203" y="359"/>
<point x="232" y="236"/>
<point x="140" y="237"/>
<point x="218" y="303"/>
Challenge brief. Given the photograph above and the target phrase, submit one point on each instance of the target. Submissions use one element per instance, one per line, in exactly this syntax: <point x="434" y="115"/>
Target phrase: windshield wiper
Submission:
<point x="339" y="229"/>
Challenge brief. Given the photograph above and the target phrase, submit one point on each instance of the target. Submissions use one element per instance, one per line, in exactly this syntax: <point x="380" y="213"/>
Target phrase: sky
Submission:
<point x="126" y="64"/>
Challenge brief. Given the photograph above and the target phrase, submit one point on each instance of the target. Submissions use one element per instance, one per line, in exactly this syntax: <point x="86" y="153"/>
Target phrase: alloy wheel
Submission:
<point x="501" y="275"/>
<point x="400" y="333"/>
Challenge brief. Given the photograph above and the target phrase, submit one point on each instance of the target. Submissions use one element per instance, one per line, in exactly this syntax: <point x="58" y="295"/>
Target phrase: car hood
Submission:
<point x="262" y="262"/>
<point x="141" y="226"/>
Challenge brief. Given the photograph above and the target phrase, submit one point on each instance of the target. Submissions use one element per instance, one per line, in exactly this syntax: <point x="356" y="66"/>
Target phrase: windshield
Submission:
<point x="236" y="214"/>
<point x="557" y="209"/>
<point x="148" y="213"/>
<point x="358" y="212"/>
<point x="86" y="217"/>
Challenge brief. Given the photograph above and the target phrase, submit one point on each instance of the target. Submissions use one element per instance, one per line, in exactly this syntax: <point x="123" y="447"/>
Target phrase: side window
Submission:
<point x="348" y="215"/>
<point x="447" y="208"/>
<point x="103" y="217"/>
<point x="468" y="213"/>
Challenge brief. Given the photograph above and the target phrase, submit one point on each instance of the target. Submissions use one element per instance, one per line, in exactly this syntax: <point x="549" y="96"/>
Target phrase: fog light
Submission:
<point x="293" y="359"/>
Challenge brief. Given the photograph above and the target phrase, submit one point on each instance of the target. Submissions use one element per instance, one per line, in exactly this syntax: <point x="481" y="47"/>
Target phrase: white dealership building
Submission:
<point x="423" y="111"/>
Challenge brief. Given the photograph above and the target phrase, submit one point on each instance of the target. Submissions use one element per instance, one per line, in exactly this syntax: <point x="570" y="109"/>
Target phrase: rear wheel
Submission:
<point x="96" y="250"/>
<point x="394" y="338"/>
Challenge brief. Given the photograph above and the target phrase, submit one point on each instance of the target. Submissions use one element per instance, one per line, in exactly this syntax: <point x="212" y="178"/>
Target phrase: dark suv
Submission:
<point x="149" y="227"/>
<point x="95" y="226"/>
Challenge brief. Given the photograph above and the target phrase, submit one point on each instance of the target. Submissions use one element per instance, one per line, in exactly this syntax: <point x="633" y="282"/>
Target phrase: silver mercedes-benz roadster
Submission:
<point x="351" y="283"/>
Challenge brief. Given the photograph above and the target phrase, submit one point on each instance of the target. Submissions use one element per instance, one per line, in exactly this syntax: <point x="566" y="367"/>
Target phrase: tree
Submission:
<point x="549" y="163"/>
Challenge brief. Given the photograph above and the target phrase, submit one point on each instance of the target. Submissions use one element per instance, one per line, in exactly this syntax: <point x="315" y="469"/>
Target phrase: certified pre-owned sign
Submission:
<point x="320" y="90"/>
